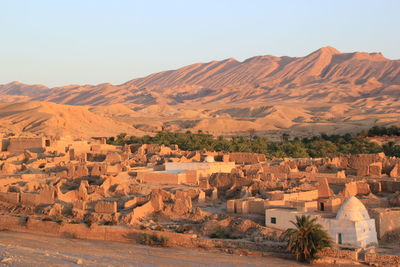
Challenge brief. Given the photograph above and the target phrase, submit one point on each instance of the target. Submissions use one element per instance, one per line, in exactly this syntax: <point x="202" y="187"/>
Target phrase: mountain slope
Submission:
<point x="324" y="75"/>
<point x="325" y="91"/>
<point x="58" y="120"/>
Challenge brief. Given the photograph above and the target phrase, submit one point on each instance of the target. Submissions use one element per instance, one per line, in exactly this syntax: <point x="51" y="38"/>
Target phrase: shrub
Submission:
<point x="221" y="233"/>
<point x="153" y="240"/>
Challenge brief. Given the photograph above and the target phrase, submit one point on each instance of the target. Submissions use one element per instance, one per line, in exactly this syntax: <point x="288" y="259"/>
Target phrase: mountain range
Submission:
<point x="325" y="91"/>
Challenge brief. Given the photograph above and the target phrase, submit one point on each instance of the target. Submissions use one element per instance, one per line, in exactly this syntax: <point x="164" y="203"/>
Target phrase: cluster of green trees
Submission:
<point x="381" y="130"/>
<point x="318" y="146"/>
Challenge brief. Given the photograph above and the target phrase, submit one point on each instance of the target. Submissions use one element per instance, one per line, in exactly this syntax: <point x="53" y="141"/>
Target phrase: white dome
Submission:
<point x="353" y="210"/>
<point x="209" y="159"/>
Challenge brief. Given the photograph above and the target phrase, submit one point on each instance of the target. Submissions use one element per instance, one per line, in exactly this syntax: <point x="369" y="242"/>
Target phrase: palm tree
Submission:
<point x="306" y="239"/>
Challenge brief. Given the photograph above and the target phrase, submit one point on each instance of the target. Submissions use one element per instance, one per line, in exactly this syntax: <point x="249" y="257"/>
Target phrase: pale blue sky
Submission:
<point x="57" y="42"/>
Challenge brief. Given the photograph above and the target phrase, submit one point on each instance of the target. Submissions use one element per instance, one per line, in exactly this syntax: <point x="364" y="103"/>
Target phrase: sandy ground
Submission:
<point x="22" y="249"/>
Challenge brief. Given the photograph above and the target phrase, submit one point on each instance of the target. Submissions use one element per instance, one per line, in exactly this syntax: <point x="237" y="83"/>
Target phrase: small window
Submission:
<point x="273" y="220"/>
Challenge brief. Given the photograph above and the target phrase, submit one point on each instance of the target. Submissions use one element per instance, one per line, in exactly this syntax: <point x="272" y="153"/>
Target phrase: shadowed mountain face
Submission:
<point x="325" y="91"/>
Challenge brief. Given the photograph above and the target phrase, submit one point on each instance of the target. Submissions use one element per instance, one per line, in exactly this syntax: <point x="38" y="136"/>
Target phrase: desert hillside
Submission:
<point x="57" y="120"/>
<point x="325" y="91"/>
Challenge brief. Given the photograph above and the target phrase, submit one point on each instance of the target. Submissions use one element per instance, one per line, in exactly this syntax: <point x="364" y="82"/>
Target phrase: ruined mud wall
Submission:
<point x="246" y="158"/>
<point x="386" y="220"/>
<point x="382" y="260"/>
<point x="124" y="234"/>
<point x="339" y="254"/>
<point x="161" y="177"/>
<point x="17" y="145"/>
<point x="390" y="186"/>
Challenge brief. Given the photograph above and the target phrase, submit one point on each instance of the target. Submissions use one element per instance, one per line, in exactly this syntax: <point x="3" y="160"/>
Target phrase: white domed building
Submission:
<point x="352" y="225"/>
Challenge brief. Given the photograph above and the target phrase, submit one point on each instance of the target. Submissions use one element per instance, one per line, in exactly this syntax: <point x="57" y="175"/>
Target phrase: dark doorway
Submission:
<point x="339" y="238"/>
<point x="322" y="206"/>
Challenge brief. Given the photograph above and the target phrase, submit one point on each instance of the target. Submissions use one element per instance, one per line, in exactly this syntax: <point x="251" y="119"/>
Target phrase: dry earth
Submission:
<point x="23" y="249"/>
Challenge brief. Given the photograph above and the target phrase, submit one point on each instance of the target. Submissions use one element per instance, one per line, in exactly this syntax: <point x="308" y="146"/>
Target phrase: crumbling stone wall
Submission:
<point x="386" y="220"/>
<point x="161" y="177"/>
<point x="389" y="186"/>
<point x="77" y="170"/>
<point x="355" y="188"/>
<point x="113" y="157"/>
<point x="224" y="181"/>
<point x="335" y="252"/>
<point x="95" y="157"/>
<point x="246" y="158"/>
<point x="98" y="169"/>
<point x="45" y="196"/>
<point x="338" y="162"/>
<point x="294" y="196"/>
<point x="395" y="171"/>
<point x="330" y="204"/>
<point x="19" y="144"/>
<point x="106" y="207"/>
<point x="10" y="197"/>
<point x="375" y="187"/>
<point x="362" y="163"/>
<point x="281" y="172"/>
<point x="382" y="259"/>
<point x="4" y="144"/>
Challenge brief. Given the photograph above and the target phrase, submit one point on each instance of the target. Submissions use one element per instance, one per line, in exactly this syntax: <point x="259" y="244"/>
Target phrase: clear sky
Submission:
<point x="60" y="42"/>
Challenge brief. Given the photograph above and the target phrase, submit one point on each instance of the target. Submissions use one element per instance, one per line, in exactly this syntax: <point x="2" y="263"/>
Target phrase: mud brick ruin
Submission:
<point x="94" y="190"/>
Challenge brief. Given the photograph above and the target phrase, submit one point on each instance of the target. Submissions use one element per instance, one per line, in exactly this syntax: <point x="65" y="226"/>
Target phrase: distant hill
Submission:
<point x="58" y="120"/>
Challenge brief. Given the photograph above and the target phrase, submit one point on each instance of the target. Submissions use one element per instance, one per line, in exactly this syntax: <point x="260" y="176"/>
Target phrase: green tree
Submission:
<point x="293" y="149"/>
<point x="321" y="148"/>
<point x="362" y="146"/>
<point x="285" y="137"/>
<point x="306" y="239"/>
<point x="323" y="145"/>
<point x="391" y="149"/>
